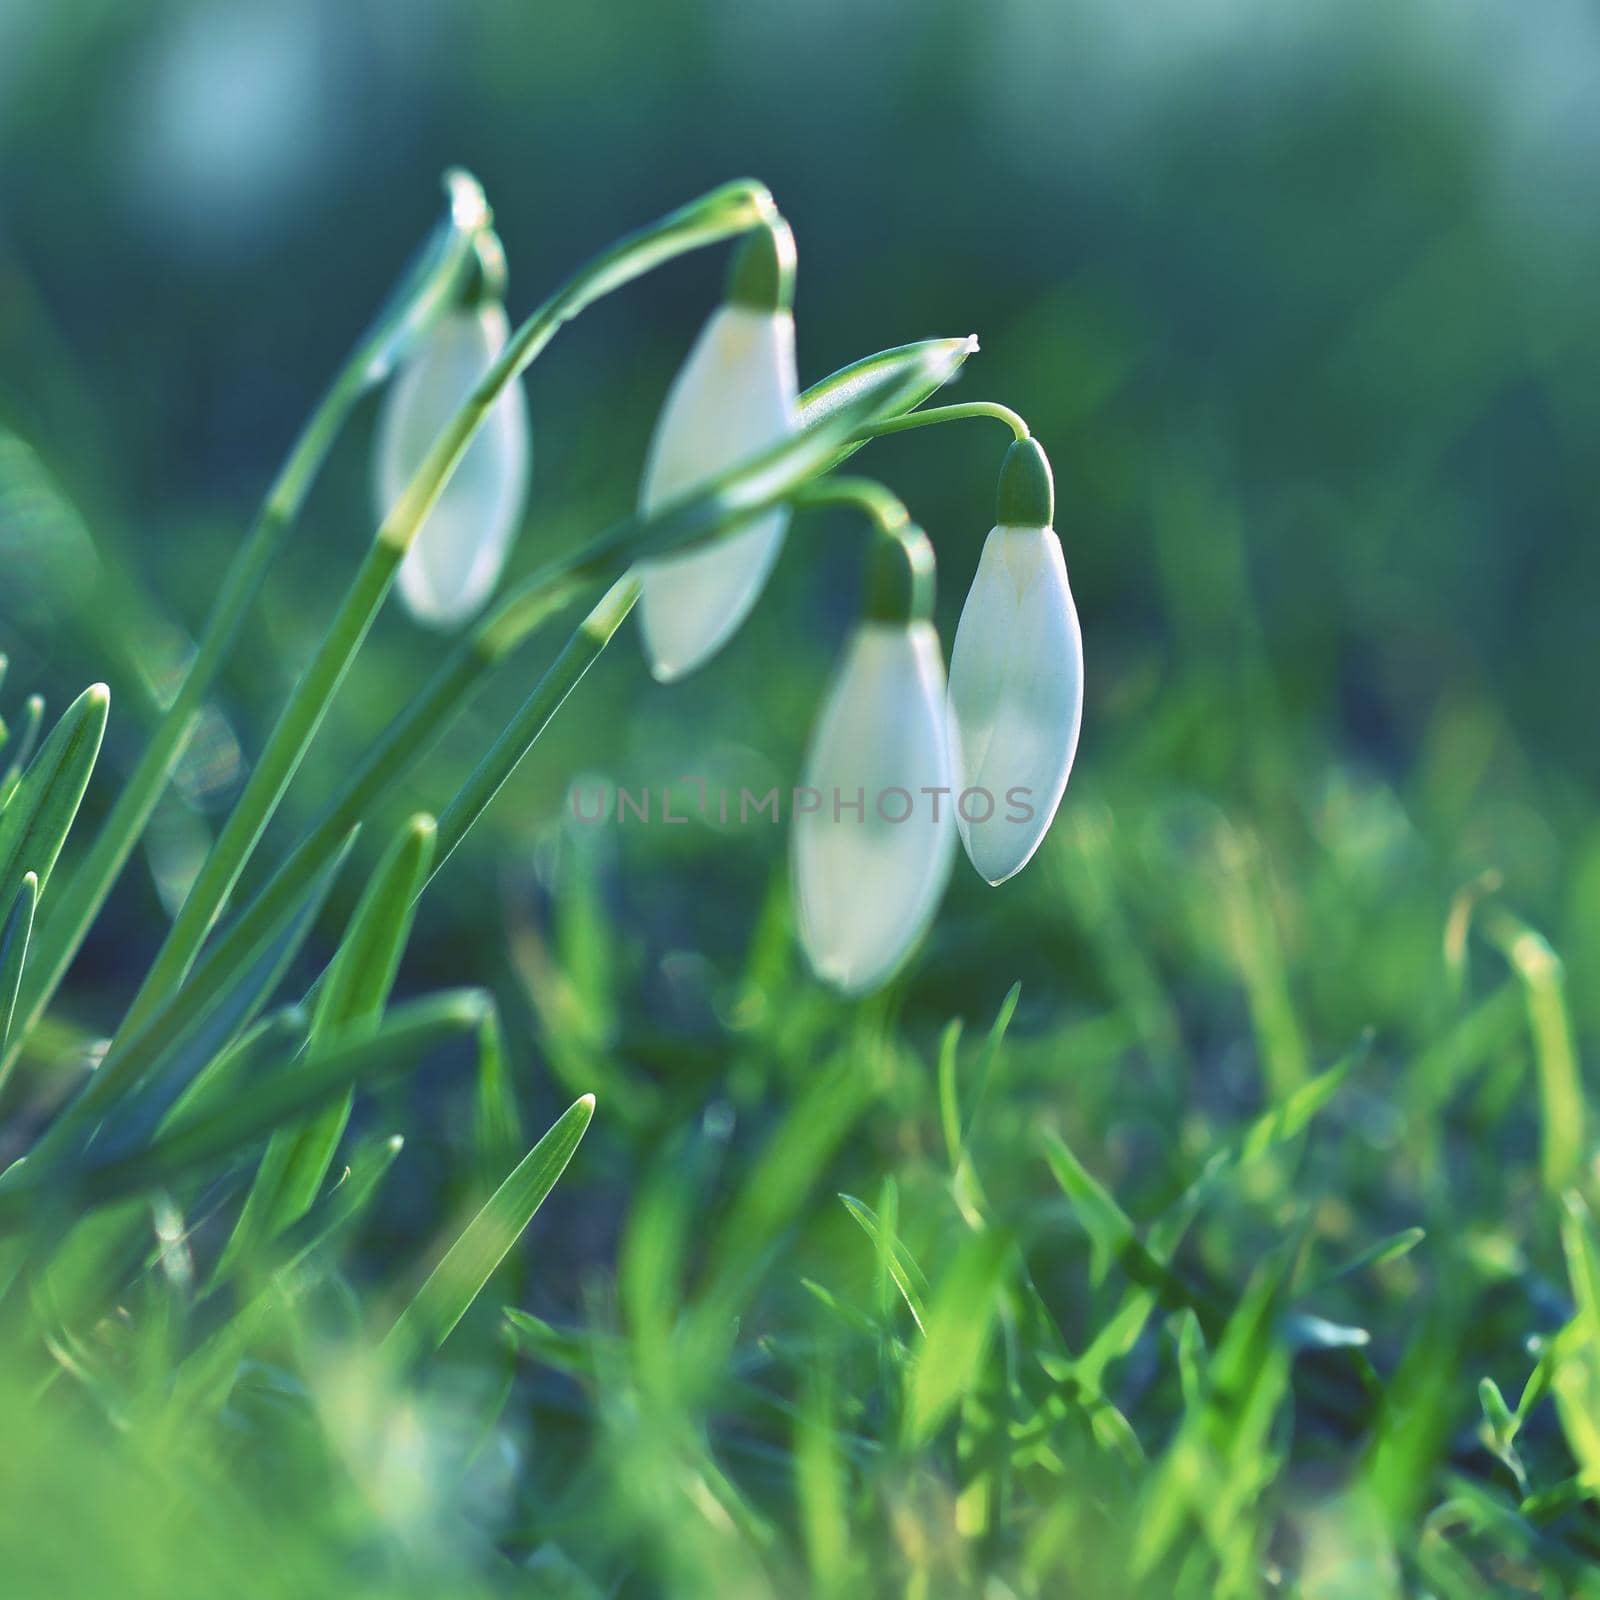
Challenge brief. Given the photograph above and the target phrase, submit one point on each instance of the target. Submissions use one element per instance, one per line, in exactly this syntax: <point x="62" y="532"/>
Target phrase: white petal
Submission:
<point x="1016" y="698"/>
<point x="734" y="396"/>
<point x="461" y="548"/>
<point x="866" y="887"/>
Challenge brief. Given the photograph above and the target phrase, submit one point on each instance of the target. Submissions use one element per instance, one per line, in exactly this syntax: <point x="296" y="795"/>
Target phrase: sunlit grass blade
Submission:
<point x="908" y="1277"/>
<point x="36" y="821"/>
<point x="350" y="998"/>
<point x="1294" y="1113"/>
<point x="1220" y="1460"/>
<point x="218" y="1133"/>
<point x="233" y="988"/>
<point x="496" y="1122"/>
<point x="18" y="928"/>
<point x="205" y="1376"/>
<point x="23" y="742"/>
<point x="219" y="1058"/>
<point x="960" y="1318"/>
<point x="470" y="1262"/>
<point x="1385" y="1250"/>
<point x="1554" y="1051"/>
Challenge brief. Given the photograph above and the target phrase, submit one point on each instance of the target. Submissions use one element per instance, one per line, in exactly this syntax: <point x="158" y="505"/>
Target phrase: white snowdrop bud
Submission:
<point x="873" y="833"/>
<point x="1016" y="677"/>
<point x="461" y="548"/>
<point x="734" y="396"/>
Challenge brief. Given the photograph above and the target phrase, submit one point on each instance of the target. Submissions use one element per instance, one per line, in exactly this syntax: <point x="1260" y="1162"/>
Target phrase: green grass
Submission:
<point x="1131" y="1309"/>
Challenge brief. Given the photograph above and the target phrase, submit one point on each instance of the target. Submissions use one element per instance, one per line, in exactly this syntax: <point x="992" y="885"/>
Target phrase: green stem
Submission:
<point x="881" y="507"/>
<point x="725" y="211"/>
<point x="579" y="653"/>
<point x="899" y="586"/>
<point x="956" y="413"/>
<point x="73" y="914"/>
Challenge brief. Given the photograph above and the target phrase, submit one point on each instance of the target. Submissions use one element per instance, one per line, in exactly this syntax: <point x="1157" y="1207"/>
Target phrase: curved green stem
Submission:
<point x="900" y="561"/>
<point x="724" y="212"/>
<point x="881" y="506"/>
<point x="955" y="413"/>
<point x="422" y="296"/>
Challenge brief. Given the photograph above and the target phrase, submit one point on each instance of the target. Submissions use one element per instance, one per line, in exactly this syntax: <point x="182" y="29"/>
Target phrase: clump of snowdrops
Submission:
<point x="207" y="1063"/>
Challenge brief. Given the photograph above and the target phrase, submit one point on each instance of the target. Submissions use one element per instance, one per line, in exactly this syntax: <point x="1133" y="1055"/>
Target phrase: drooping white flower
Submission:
<point x="461" y="548"/>
<point x="734" y="396"/>
<point x="872" y="835"/>
<point x="1016" y="677"/>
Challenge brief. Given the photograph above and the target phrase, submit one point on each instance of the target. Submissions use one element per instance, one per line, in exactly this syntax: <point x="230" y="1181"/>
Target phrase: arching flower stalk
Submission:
<point x="872" y="846"/>
<point x="1016" y="676"/>
<point x="461" y="548"/>
<point x="734" y="396"/>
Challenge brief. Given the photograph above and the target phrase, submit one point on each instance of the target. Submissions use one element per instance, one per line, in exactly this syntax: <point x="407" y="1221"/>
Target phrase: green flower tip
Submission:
<point x="900" y="576"/>
<point x="422" y="826"/>
<point x="1027" y="494"/>
<point x="97" y="697"/>
<point x="469" y="205"/>
<point x="761" y="274"/>
<point x="486" y="272"/>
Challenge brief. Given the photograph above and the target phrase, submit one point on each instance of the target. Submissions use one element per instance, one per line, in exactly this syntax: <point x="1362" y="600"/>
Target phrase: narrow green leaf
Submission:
<point x="1111" y="1231"/>
<point x="13" y="953"/>
<point x="206" y="1376"/>
<point x="1375" y="1255"/>
<point x="949" y="1091"/>
<point x="27" y="739"/>
<point x="35" y="823"/>
<point x="193" y="1053"/>
<point x="350" y="1000"/>
<point x="245" y="971"/>
<point x="902" y="1267"/>
<point x="1555" y="1053"/>
<point x="218" y="1132"/>
<point x="469" y="1263"/>
<point x="1294" y="1113"/>
<point x="497" y="1123"/>
<point x="991" y="1055"/>
<point x="959" y="1321"/>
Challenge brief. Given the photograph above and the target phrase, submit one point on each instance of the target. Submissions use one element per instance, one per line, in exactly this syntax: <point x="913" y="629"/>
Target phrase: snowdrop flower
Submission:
<point x="461" y="548"/>
<point x="873" y="836"/>
<point x="1016" y="676"/>
<point x="734" y="396"/>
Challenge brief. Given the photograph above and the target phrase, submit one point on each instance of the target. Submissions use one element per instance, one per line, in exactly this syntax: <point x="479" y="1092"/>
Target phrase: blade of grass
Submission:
<point x="908" y="1277"/>
<point x="349" y="1002"/>
<point x="205" y="1377"/>
<point x="27" y="740"/>
<point x="216" y="1133"/>
<point x="1555" y="1054"/>
<point x="13" y="954"/>
<point x="470" y="1262"/>
<point x="35" y="824"/>
<point x="959" y="1320"/>
<point x="126" y="1065"/>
